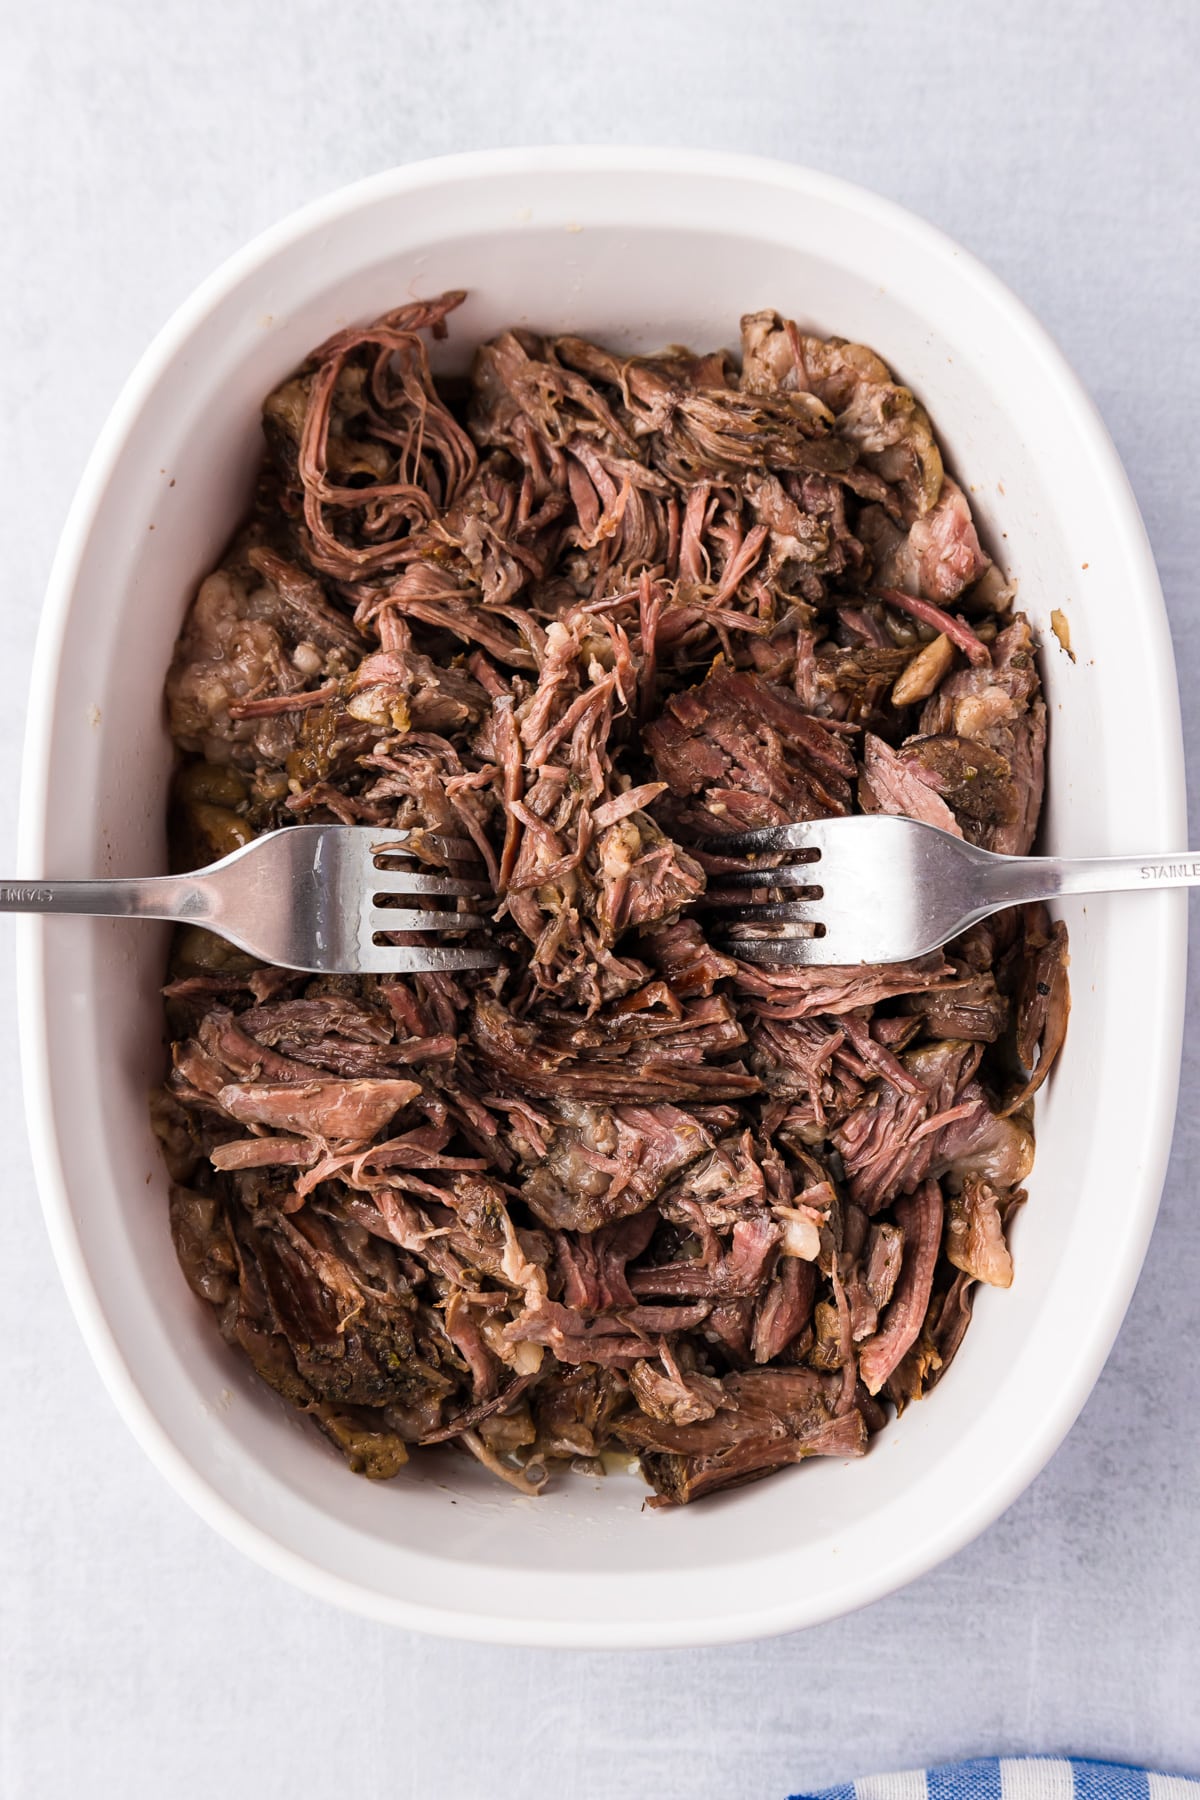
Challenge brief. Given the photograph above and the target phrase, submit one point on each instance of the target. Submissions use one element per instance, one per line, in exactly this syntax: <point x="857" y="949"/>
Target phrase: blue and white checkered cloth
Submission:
<point x="1017" y="1778"/>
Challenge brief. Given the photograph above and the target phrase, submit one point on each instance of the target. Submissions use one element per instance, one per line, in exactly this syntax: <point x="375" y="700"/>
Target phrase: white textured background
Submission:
<point x="139" y="143"/>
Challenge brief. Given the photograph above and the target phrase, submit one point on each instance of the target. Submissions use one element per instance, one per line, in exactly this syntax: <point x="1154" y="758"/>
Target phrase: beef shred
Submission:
<point x="588" y="612"/>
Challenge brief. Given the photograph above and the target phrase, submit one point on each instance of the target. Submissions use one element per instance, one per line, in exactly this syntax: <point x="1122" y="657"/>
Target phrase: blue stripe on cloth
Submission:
<point x="975" y="1780"/>
<point x="981" y="1779"/>
<point x="1108" y="1781"/>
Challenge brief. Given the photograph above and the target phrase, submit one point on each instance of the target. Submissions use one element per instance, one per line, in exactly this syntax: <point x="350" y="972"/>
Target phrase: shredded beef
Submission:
<point x="577" y="624"/>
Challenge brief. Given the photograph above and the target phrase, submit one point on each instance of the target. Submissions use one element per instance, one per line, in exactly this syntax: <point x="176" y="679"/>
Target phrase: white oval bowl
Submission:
<point x="637" y="248"/>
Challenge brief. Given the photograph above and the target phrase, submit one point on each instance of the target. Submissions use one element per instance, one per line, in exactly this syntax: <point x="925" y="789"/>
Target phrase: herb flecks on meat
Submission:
<point x="591" y="613"/>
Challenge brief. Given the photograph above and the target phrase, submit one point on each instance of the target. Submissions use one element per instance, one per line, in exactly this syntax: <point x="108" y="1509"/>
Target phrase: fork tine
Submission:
<point x="408" y="918"/>
<point x="418" y="959"/>
<point x="449" y="849"/>
<point x="413" y="881"/>
<point x="802" y="875"/>
<point x="370" y="844"/>
<point x="389" y="864"/>
<point x="806" y="912"/>
<point x="789" y="950"/>
<point x="766" y="839"/>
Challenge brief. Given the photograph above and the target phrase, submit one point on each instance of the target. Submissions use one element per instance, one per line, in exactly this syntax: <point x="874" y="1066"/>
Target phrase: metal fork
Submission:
<point x="306" y="897"/>
<point x="879" y="889"/>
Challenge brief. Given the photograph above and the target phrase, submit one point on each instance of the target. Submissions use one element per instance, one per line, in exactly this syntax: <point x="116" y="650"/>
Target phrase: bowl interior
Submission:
<point x="637" y="259"/>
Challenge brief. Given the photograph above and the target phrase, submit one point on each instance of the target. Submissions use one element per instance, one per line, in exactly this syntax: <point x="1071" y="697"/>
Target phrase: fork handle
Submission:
<point x="152" y="897"/>
<point x="1013" y="880"/>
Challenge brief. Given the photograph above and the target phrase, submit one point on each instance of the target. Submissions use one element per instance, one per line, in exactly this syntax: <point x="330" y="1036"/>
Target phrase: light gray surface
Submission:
<point x="139" y="143"/>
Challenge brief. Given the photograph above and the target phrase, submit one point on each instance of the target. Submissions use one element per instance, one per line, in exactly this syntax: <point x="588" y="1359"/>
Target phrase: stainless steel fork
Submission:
<point x="321" y="898"/>
<point x="879" y="889"/>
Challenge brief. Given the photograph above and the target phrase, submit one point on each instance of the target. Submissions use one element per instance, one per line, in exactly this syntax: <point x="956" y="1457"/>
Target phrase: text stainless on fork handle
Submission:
<point x="1012" y="880"/>
<point x="153" y="897"/>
